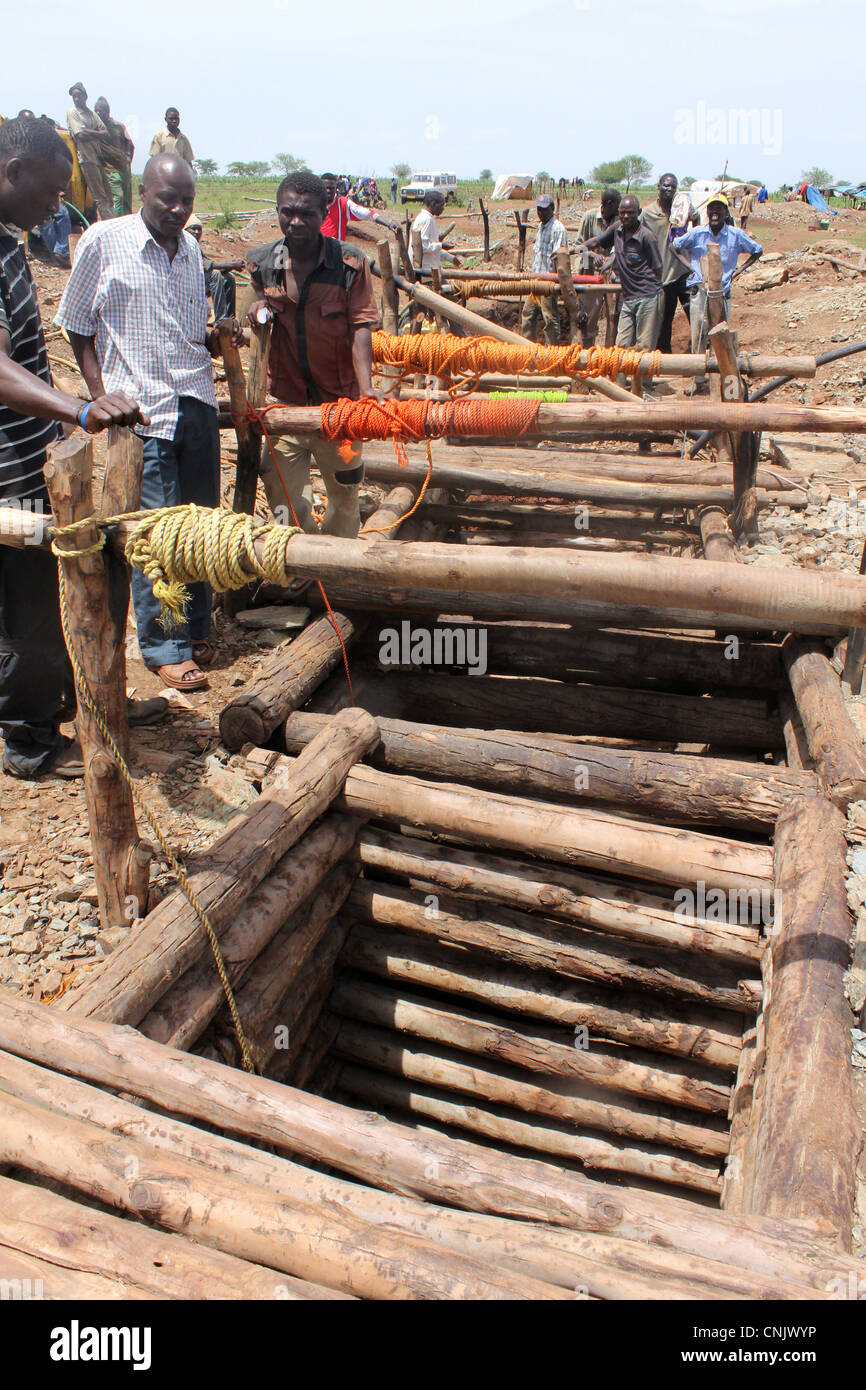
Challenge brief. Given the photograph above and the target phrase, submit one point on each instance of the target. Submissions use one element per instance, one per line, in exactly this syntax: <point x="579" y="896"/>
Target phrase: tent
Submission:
<point x="703" y="191"/>
<point x="512" y="186"/>
<point x="815" y="200"/>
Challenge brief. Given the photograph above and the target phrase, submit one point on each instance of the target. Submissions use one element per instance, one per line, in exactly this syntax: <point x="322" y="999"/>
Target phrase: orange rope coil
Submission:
<point x="405" y="421"/>
<point x="445" y="355"/>
<point x="490" y="289"/>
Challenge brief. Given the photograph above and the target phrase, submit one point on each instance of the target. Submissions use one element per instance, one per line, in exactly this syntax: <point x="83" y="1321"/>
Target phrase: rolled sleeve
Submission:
<point x="76" y="309"/>
<point x="686" y="241"/>
<point x="748" y="243"/>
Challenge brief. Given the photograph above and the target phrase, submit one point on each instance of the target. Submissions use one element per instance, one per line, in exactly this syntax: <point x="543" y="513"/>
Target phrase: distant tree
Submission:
<point x="288" y="163"/>
<point x="401" y="171"/>
<point x="637" y="169"/>
<point x="819" y="177"/>
<point x="486" y="174"/>
<point x="205" y="168"/>
<point x="238" y="169"/>
<point x="688" y="181"/>
<point x="543" y="176"/>
<point x="259" y="168"/>
<point x="611" y="171"/>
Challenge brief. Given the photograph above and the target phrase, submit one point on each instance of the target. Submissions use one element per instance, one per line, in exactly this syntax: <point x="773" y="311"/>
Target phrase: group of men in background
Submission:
<point x="655" y="253"/>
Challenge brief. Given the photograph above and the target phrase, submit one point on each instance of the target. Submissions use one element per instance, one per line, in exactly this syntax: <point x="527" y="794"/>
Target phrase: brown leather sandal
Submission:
<point x="190" y="679"/>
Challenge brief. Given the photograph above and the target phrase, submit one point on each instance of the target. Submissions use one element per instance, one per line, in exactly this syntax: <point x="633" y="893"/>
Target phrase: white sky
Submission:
<point x="513" y="85"/>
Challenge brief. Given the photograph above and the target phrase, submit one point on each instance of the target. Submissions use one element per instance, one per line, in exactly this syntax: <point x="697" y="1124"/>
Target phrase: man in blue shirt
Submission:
<point x="732" y="242"/>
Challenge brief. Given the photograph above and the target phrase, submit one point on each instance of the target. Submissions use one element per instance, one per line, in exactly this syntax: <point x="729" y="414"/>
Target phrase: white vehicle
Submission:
<point x="421" y="184"/>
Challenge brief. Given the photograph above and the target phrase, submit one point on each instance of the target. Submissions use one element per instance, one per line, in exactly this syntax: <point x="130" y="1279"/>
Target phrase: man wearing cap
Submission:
<point x="90" y="136"/>
<point x="639" y="269"/>
<point x="552" y="237"/>
<point x="732" y="243"/>
<point x="171" y="140"/>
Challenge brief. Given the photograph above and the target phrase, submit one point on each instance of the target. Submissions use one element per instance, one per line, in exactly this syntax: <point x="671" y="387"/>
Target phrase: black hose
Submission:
<point x="763" y="391"/>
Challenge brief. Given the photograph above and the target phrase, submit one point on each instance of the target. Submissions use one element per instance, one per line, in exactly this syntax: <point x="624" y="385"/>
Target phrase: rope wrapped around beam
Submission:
<point x="446" y="355"/>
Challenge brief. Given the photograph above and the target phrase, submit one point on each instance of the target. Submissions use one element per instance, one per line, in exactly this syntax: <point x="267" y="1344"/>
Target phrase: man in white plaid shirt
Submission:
<point x="136" y="314"/>
<point x="552" y="237"/>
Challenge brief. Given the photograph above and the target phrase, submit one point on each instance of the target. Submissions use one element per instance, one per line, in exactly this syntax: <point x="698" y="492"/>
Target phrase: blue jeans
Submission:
<point x="183" y="469"/>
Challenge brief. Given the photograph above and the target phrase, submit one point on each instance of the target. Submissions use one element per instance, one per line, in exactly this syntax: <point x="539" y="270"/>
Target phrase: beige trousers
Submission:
<point x="295" y="455"/>
<point x="97" y="182"/>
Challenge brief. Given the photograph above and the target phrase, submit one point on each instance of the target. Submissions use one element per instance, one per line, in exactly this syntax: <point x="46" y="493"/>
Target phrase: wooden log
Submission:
<point x="567" y="709"/>
<point x="464" y="1175"/>
<point x="716" y="535"/>
<point x="390" y="309"/>
<point x="543" y="1252"/>
<point x="855" y="654"/>
<point x="505" y="1127"/>
<point x="182" y="1014"/>
<point x="49" y="1281"/>
<point x="581" y="899"/>
<point x="674" y="787"/>
<point x="155" y="956"/>
<point x="249" y="437"/>
<point x="66" y="1234"/>
<point x="636" y="659"/>
<point x="808" y="1139"/>
<point x="569" y="298"/>
<point x="683" y="1030"/>
<point x="743" y="1116"/>
<point x="482" y="1042"/>
<point x="265" y="1000"/>
<point x="121" y="480"/>
<point x="97" y="626"/>
<point x="485" y="219"/>
<point x="284" y="681"/>
<point x="247" y="1221"/>
<point x="835" y="745"/>
<point x="536" y="943"/>
<point x="581" y="837"/>
<point x="453" y="1079"/>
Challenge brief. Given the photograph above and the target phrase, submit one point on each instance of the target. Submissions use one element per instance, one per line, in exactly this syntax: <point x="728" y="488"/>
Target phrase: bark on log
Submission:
<point x="172" y="939"/>
<point x="581" y="899"/>
<point x="464" y="1175"/>
<point x="606" y="1263"/>
<point x="684" y="1030"/>
<point x="453" y="1079"/>
<point x="97" y="624"/>
<point x="481" y="1040"/>
<point x="566" y="708"/>
<point x="184" y="1012"/>
<point x="535" y="943"/>
<point x="809" y="1136"/>
<point x="66" y="1234"/>
<point x="835" y="745"/>
<point x="716" y="536"/>
<point x="672" y="787"/>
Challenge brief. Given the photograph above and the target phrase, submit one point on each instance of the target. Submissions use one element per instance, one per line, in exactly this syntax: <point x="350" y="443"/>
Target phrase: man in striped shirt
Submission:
<point x="552" y="237"/>
<point x="35" y="167"/>
<point x="136" y="314"/>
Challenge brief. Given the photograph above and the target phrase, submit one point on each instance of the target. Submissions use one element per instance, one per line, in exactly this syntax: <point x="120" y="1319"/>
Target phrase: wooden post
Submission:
<point x="98" y="630"/>
<point x="521" y="239"/>
<point x="485" y="217"/>
<point x="569" y="298"/>
<point x="743" y="445"/>
<point x="855" y="656"/>
<point x="835" y="745"/>
<point x="390" y="376"/>
<point x="405" y="259"/>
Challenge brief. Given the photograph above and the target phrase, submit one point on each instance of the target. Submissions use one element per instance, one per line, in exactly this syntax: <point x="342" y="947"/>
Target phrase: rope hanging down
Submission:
<point x="444" y="354"/>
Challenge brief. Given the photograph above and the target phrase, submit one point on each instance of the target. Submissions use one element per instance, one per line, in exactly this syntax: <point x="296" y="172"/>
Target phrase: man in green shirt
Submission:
<point x="117" y="153"/>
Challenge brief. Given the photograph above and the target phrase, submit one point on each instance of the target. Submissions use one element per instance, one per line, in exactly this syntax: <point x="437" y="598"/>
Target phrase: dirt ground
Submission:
<point x="48" y="924"/>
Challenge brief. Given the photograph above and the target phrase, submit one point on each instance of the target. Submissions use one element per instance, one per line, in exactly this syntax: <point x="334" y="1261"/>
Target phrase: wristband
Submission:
<point x="82" y="414"/>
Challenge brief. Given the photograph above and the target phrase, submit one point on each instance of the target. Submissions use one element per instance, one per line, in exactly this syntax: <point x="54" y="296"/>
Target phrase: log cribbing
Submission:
<point x="154" y="957"/>
<point x="808" y="1140"/>
<point x="183" y="1013"/>
<point x="513" y="1127"/>
<point x="458" y="1175"/>
<point x="483" y="1042"/>
<point x="552" y="1254"/>
<point x="675" y="787"/>
<point x="835" y="745"/>
<point x="536" y="943"/>
<point x="152" y="1262"/>
<point x="582" y="899"/>
<point x="639" y="1020"/>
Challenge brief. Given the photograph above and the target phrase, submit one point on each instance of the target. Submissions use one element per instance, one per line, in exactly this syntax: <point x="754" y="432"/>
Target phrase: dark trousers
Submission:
<point x="675" y="293"/>
<point x="182" y="469"/>
<point x="33" y="661"/>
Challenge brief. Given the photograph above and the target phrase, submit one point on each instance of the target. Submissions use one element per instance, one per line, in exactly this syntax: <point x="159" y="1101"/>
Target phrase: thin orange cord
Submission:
<point x="446" y="355"/>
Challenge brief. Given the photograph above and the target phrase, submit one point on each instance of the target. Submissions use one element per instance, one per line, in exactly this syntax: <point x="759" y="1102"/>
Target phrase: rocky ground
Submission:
<point x="794" y="301"/>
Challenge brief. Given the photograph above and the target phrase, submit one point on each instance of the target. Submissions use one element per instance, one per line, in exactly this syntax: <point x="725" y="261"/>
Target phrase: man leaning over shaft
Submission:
<point x="319" y="295"/>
